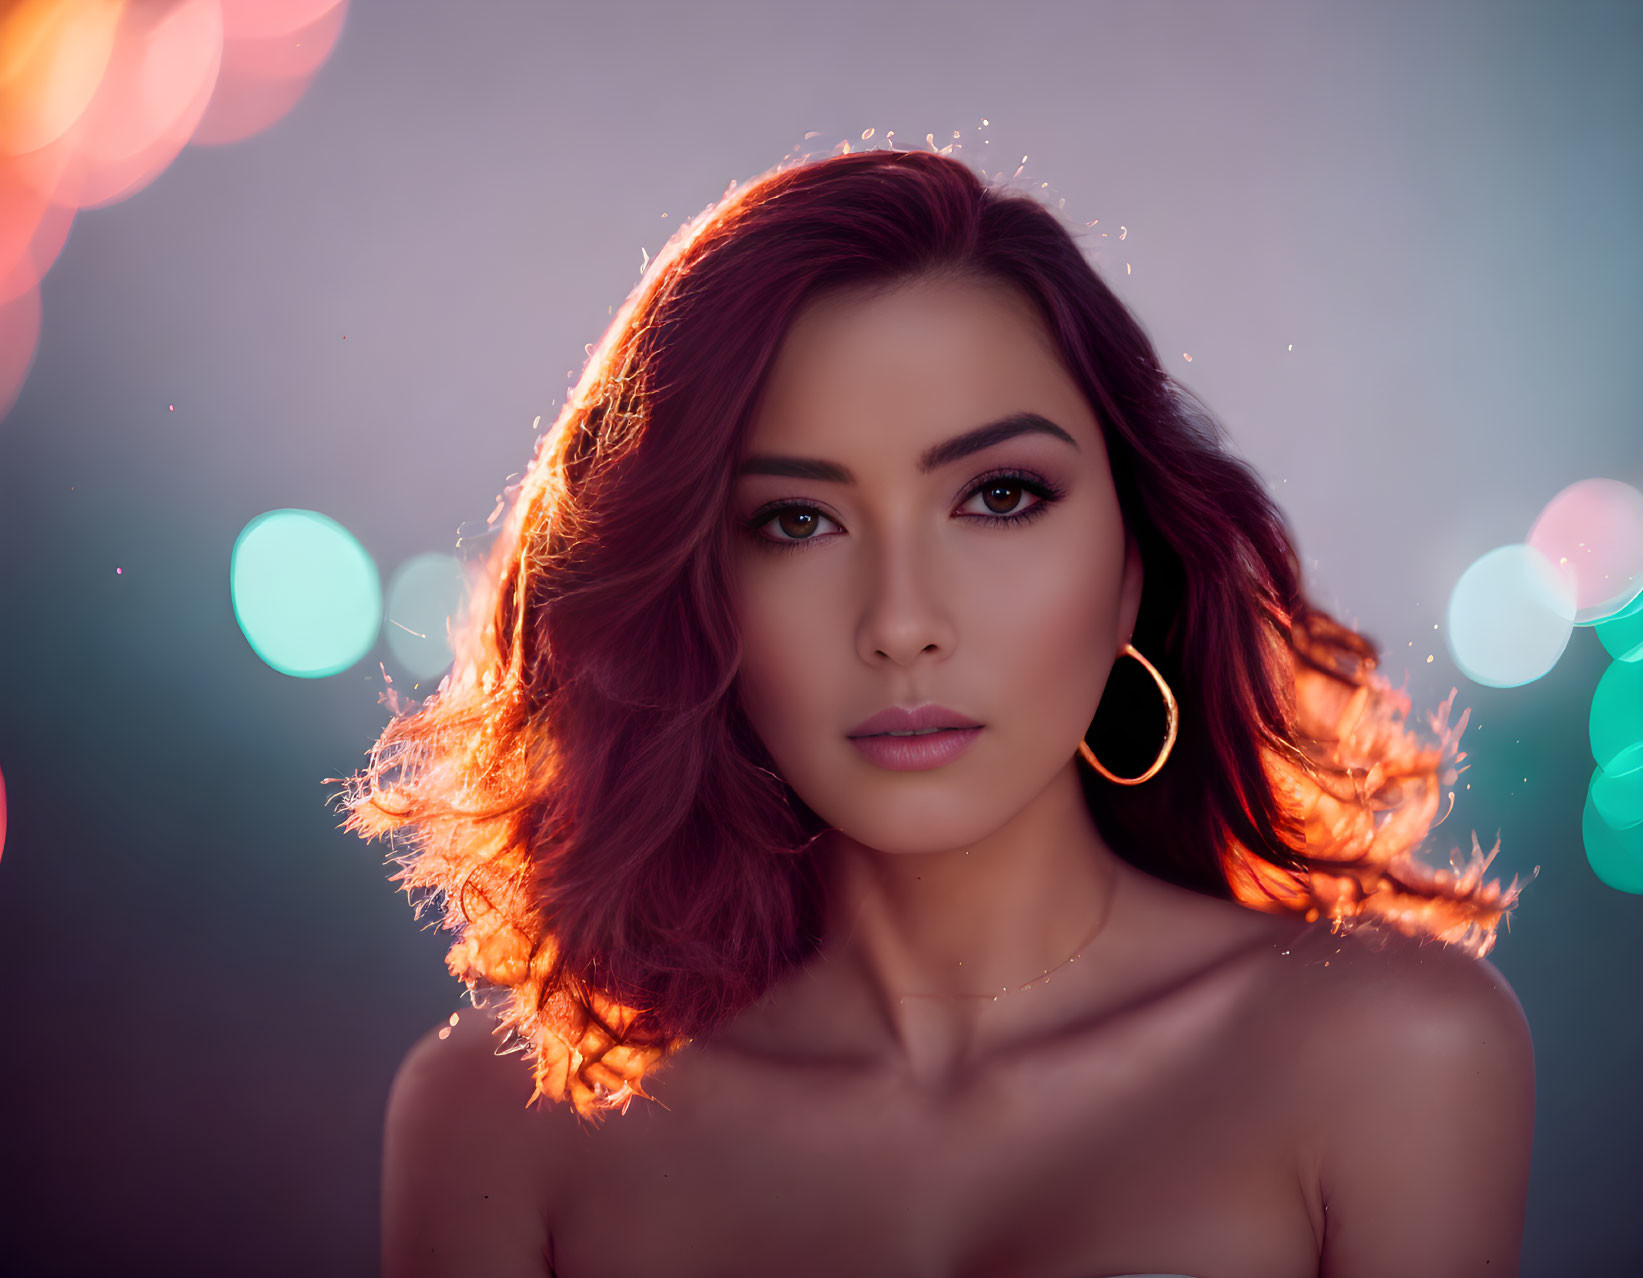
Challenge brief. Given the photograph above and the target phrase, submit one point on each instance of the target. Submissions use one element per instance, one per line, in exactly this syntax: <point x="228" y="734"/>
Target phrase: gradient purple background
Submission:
<point x="207" y="985"/>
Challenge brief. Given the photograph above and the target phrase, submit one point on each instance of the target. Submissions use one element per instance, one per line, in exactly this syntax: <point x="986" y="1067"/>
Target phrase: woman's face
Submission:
<point x="894" y="589"/>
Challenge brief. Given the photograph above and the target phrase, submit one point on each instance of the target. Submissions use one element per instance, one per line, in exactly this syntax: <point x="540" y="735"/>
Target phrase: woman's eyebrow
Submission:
<point x="933" y="458"/>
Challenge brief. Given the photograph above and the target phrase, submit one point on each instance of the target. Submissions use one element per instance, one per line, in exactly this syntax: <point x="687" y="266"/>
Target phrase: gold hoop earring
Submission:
<point x="1171" y="713"/>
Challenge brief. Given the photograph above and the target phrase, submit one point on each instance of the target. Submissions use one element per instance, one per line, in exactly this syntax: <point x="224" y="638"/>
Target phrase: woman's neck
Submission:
<point x="933" y="961"/>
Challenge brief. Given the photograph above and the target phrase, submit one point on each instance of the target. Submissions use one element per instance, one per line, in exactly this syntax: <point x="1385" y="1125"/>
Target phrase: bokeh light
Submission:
<point x="19" y="336"/>
<point x="53" y="54"/>
<point x="306" y="594"/>
<point x="1510" y="617"/>
<point x="1622" y="634"/>
<point x="1593" y="532"/>
<point x="97" y="97"/>
<point x="423" y="593"/>
<point x="27" y="249"/>
<point x="152" y="94"/>
<point x="1617" y="717"/>
<point x="272" y="49"/>
<point x="1618" y="797"/>
<point x="1616" y="856"/>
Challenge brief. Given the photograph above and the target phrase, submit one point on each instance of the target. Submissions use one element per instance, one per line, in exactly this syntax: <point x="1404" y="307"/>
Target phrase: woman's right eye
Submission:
<point x="796" y="523"/>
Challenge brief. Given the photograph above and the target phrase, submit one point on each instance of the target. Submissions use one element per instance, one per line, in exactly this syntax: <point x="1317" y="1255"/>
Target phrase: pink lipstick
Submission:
<point x="917" y="753"/>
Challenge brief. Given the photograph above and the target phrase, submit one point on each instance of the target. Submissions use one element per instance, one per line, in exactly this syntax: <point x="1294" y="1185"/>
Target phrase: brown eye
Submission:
<point x="797" y="523"/>
<point x="998" y="486"/>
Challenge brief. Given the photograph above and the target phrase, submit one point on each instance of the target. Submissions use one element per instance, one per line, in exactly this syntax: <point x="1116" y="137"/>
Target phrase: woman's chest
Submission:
<point x="1160" y="1145"/>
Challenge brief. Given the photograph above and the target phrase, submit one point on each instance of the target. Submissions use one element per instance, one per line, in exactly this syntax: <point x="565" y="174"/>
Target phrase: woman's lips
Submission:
<point x="912" y="719"/>
<point x="919" y="753"/>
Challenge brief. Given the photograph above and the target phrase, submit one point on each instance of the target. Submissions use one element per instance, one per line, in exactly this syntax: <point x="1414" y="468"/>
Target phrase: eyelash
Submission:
<point x="1047" y="493"/>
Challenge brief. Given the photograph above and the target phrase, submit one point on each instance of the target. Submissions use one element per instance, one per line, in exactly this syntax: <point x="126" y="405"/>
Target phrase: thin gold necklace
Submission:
<point x="1043" y="979"/>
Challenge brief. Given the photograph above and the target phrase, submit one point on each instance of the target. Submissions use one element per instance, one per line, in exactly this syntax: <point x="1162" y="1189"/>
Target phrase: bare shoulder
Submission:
<point x="460" y="1055"/>
<point x="462" y="1176"/>
<point x="1416" y="1068"/>
<point x="1402" y="985"/>
<point x="1377" y="1003"/>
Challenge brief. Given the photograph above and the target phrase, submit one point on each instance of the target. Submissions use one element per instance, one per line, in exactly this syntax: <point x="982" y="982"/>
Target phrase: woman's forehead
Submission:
<point x="923" y="359"/>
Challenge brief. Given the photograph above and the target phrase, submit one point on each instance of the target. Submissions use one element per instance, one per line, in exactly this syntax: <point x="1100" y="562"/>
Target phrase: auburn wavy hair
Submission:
<point x="612" y="845"/>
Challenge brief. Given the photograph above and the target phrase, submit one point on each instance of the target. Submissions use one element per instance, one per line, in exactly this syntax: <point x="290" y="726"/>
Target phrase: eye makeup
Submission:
<point x="1047" y="493"/>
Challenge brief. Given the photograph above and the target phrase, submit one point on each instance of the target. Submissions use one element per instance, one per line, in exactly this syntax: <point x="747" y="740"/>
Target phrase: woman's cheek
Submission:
<point x="776" y="673"/>
<point x="1064" y="631"/>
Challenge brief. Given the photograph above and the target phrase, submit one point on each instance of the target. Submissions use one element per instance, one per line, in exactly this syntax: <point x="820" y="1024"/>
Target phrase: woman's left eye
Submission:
<point x="987" y="490"/>
<point x="1004" y="488"/>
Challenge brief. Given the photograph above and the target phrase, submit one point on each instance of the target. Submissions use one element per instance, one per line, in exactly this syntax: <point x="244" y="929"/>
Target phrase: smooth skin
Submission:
<point x="1205" y="1090"/>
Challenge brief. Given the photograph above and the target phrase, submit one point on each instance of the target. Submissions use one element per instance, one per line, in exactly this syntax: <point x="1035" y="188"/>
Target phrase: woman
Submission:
<point x="1126" y="966"/>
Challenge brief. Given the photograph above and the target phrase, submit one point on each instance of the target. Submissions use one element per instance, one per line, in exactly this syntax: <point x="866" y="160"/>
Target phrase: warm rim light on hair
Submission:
<point x="609" y="840"/>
